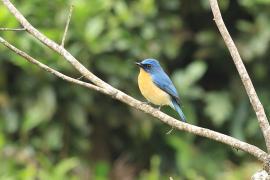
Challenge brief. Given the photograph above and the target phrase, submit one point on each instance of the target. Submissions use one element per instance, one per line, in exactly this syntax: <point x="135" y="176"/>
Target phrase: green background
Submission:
<point x="51" y="129"/>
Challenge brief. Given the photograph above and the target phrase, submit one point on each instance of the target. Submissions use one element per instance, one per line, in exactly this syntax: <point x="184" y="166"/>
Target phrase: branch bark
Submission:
<point x="253" y="98"/>
<point x="107" y="89"/>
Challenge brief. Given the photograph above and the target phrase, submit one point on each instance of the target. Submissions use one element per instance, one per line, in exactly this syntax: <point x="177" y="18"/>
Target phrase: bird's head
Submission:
<point x="149" y="65"/>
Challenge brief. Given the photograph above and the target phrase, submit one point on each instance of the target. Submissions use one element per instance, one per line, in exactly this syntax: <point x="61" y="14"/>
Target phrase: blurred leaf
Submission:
<point x="189" y="76"/>
<point x="28" y="173"/>
<point x="2" y="140"/>
<point x="78" y="117"/>
<point x="183" y="154"/>
<point x="39" y="110"/>
<point x="218" y="107"/>
<point x="250" y="3"/>
<point x="117" y="67"/>
<point x="153" y="173"/>
<point x="54" y="138"/>
<point x="257" y="43"/>
<point x="147" y="7"/>
<point x="101" y="171"/>
<point x="11" y="120"/>
<point x="252" y="127"/>
<point x="239" y="120"/>
<point x="66" y="165"/>
<point x="94" y="27"/>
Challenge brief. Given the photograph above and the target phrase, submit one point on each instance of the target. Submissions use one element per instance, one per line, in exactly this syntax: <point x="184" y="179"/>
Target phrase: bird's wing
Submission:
<point x="162" y="80"/>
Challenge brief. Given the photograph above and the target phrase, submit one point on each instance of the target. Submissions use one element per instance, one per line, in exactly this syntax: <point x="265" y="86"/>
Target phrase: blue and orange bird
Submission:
<point x="156" y="86"/>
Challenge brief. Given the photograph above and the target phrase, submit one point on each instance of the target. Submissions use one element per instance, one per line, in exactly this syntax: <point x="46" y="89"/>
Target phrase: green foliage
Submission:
<point x="101" y="171"/>
<point x="35" y="112"/>
<point x="154" y="172"/>
<point x="218" y="107"/>
<point x="60" y="170"/>
<point x="50" y="129"/>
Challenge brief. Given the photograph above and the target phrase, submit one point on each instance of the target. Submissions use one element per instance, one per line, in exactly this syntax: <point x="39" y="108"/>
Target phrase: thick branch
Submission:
<point x="254" y="100"/>
<point x="119" y="95"/>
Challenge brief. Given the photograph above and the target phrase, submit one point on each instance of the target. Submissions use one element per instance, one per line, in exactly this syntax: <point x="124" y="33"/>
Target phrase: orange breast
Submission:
<point x="150" y="91"/>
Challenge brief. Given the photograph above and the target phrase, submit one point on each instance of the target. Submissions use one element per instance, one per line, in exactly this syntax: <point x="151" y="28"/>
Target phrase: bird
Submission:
<point x="156" y="86"/>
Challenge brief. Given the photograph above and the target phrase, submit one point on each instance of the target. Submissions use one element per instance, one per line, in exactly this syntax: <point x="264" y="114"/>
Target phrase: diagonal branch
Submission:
<point x="119" y="95"/>
<point x="254" y="100"/>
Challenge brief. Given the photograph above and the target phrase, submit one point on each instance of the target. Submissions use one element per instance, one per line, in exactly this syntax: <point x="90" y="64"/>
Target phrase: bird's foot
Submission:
<point x="159" y="107"/>
<point x="170" y="131"/>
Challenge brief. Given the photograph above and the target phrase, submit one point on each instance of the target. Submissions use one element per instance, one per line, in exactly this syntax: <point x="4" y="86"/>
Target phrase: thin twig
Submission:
<point x="79" y="78"/>
<point x="119" y="95"/>
<point x="67" y="25"/>
<point x="12" y="29"/>
<point x="256" y="104"/>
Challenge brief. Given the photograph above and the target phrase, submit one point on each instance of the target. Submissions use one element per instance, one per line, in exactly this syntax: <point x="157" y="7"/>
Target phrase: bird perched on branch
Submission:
<point x="157" y="87"/>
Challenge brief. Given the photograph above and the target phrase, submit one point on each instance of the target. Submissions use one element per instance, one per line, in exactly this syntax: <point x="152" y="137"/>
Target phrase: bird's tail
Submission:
<point x="178" y="109"/>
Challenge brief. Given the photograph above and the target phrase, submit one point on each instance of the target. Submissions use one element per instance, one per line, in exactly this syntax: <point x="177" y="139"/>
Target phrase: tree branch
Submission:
<point x="67" y="25"/>
<point x="54" y="46"/>
<point x="50" y="70"/>
<point x="253" y="98"/>
<point x="119" y="95"/>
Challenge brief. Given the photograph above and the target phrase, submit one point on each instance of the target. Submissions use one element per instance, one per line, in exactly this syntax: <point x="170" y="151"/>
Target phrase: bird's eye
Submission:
<point x="148" y="66"/>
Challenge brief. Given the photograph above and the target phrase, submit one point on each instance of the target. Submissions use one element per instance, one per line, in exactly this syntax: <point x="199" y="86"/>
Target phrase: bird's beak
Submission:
<point x="138" y="64"/>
